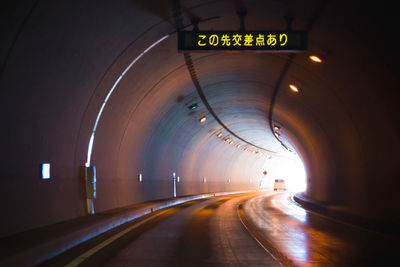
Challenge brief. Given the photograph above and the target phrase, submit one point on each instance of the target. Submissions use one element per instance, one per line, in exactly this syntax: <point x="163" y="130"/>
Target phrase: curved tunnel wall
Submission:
<point x="59" y="64"/>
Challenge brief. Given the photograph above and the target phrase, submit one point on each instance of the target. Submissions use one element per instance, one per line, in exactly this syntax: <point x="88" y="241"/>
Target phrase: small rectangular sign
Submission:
<point x="260" y="41"/>
<point x="45" y="170"/>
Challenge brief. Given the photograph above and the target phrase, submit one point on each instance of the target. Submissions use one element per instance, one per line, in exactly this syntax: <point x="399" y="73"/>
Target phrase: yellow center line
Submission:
<point x="106" y="242"/>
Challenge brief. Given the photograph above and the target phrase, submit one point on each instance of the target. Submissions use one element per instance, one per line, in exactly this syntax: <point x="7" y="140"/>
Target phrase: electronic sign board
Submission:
<point x="260" y="41"/>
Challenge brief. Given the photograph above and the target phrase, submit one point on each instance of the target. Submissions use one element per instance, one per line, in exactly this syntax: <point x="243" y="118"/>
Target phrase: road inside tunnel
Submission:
<point x="108" y="106"/>
<point x="255" y="229"/>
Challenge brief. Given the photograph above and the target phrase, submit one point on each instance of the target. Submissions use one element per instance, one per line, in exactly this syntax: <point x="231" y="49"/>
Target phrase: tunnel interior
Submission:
<point x="102" y="84"/>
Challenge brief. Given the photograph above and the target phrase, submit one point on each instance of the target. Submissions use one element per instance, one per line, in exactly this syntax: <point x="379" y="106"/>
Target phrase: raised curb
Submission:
<point x="387" y="228"/>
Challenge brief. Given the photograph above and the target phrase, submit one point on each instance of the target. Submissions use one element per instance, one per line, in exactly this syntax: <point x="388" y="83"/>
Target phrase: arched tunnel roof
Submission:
<point x="111" y="70"/>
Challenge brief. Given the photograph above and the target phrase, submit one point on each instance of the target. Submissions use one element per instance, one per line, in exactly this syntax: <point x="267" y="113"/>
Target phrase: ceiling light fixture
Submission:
<point x="203" y="119"/>
<point x="194" y="106"/>
<point x="315" y="58"/>
<point x="294" y="88"/>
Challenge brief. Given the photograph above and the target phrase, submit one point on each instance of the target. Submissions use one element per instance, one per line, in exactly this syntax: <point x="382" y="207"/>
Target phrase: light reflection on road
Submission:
<point x="283" y="203"/>
<point x="288" y="227"/>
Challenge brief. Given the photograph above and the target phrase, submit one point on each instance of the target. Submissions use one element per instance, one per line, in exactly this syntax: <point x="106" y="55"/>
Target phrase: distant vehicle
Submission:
<point x="279" y="185"/>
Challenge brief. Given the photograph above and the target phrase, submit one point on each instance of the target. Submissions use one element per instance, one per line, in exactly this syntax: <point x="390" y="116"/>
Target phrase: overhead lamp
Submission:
<point x="276" y="134"/>
<point x="219" y="134"/>
<point x="227" y="140"/>
<point x="238" y="145"/>
<point x="231" y="142"/>
<point x="294" y="88"/>
<point x="194" y="106"/>
<point x="203" y="119"/>
<point x="246" y="149"/>
<point x="315" y="58"/>
<point x="276" y="127"/>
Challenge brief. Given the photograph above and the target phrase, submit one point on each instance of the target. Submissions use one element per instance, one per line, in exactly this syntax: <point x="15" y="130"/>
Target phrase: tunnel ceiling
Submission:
<point x="239" y="86"/>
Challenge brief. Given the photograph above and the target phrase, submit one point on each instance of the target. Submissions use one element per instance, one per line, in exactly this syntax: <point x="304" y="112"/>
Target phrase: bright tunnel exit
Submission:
<point x="290" y="169"/>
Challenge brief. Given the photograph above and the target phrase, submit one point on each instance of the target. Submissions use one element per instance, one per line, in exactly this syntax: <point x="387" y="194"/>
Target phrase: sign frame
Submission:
<point x="189" y="41"/>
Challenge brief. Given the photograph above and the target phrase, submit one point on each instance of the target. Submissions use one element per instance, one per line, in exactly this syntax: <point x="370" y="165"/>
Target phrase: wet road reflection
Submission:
<point x="311" y="239"/>
<point x="204" y="232"/>
<point x="214" y="232"/>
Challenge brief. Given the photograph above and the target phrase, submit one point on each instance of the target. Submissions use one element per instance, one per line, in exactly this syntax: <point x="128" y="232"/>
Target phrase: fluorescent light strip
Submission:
<point x="91" y="142"/>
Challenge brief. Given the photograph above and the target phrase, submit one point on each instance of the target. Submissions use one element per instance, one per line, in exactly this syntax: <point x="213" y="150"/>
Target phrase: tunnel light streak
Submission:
<point x="91" y="142"/>
<point x="231" y="142"/>
<point x="89" y="154"/>
<point x="315" y="58"/>
<point x="294" y="88"/>
<point x="219" y="134"/>
<point x="203" y="119"/>
<point x="238" y="145"/>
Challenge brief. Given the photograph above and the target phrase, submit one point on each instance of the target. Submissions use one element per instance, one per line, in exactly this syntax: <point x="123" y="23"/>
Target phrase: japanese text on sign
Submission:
<point x="240" y="39"/>
<point x="228" y="40"/>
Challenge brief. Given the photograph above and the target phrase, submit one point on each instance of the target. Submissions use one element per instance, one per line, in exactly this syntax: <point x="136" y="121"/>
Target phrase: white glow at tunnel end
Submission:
<point x="290" y="169"/>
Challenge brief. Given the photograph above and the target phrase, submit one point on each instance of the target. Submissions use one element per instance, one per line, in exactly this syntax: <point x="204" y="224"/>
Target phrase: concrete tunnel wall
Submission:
<point x="61" y="59"/>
